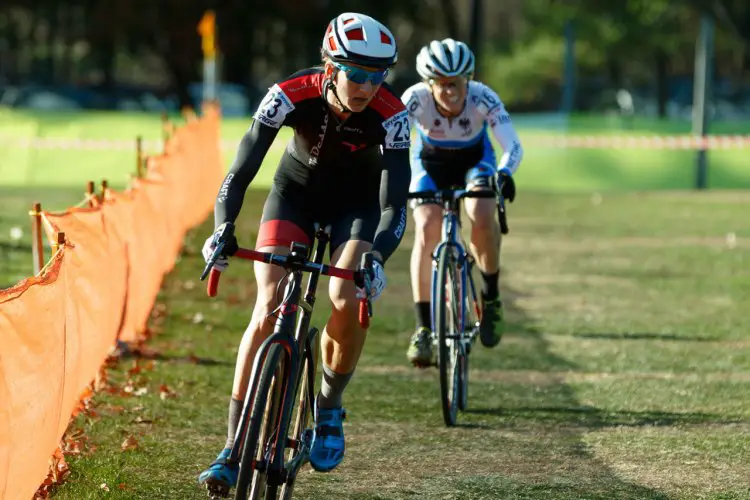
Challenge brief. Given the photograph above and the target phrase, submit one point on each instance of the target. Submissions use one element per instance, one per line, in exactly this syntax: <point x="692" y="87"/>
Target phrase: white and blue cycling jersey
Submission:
<point x="451" y="151"/>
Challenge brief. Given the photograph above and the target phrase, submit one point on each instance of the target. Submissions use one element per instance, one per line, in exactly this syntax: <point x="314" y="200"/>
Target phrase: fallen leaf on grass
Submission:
<point x="135" y="369"/>
<point x="72" y="446"/>
<point x="165" y="392"/>
<point x="59" y="467"/>
<point x="130" y="443"/>
<point x="57" y="473"/>
<point x="101" y="380"/>
<point x="159" y="310"/>
<point x="115" y="409"/>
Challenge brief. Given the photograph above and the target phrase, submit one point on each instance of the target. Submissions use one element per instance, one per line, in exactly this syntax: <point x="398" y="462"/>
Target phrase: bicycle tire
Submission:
<point x="463" y="382"/>
<point x="446" y="356"/>
<point x="304" y="409"/>
<point x="247" y="480"/>
<point x="472" y="314"/>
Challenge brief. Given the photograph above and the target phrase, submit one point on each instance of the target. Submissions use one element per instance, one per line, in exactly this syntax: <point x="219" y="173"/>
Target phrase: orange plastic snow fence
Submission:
<point x="57" y="329"/>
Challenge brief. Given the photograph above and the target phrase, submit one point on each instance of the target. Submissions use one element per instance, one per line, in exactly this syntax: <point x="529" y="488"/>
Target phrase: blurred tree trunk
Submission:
<point x="662" y="88"/>
<point x="450" y="17"/>
<point x="236" y="27"/>
<point x="614" y="71"/>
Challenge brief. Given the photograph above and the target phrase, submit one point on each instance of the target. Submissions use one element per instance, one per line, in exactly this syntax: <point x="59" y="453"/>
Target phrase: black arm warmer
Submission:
<point x="253" y="148"/>
<point x="394" y="188"/>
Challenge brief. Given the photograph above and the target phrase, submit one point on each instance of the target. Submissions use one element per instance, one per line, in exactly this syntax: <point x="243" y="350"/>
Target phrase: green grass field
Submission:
<point x="624" y="375"/>
<point x="547" y="169"/>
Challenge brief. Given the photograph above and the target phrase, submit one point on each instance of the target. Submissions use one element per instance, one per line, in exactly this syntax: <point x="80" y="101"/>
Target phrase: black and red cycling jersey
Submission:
<point x="339" y="160"/>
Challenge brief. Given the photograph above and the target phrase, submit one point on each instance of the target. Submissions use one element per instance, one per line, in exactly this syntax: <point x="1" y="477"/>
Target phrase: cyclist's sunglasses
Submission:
<point x="360" y="75"/>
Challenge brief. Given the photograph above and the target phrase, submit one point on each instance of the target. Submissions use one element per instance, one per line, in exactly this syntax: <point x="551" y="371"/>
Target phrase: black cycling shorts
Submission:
<point x="291" y="212"/>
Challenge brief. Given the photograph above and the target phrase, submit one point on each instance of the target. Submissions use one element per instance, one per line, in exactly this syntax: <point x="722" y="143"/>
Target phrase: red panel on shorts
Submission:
<point x="280" y="233"/>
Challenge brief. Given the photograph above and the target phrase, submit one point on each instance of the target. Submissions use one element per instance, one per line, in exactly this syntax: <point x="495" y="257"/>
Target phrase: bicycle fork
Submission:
<point x="467" y="332"/>
<point x="282" y="337"/>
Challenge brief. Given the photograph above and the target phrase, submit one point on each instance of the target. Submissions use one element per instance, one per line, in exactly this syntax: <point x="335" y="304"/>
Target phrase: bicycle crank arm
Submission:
<point x="295" y="464"/>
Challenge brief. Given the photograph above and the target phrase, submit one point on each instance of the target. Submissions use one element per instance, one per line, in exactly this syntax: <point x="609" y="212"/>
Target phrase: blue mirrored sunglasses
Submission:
<point x="361" y="75"/>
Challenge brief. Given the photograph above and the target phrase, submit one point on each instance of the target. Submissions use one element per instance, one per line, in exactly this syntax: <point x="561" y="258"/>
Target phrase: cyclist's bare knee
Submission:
<point x="481" y="213"/>
<point x="267" y="277"/>
<point x="427" y="223"/>
<point x="343" y="292"/>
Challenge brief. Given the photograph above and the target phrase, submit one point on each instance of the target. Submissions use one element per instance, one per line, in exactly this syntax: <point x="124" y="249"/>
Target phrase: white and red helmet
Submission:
<point x="360" y="39"/>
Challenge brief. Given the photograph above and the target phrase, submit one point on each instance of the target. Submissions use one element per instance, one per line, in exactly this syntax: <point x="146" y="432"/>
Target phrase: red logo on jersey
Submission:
<point x="353" y="147"/>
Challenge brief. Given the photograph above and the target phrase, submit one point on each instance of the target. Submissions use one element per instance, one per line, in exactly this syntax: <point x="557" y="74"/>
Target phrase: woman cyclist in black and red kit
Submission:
<point x="348" y="166"/>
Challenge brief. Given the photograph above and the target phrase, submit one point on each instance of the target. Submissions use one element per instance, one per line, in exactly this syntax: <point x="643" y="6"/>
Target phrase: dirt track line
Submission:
<point x="536" y="377"/>
<point x="655" y="339"/>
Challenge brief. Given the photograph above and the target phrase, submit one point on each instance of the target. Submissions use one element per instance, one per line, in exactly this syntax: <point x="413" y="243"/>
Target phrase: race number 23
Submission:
<point x="402" y="130"/>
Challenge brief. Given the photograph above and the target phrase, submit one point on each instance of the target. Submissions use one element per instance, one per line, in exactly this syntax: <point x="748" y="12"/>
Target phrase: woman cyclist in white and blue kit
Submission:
<point x="454" y="115"/>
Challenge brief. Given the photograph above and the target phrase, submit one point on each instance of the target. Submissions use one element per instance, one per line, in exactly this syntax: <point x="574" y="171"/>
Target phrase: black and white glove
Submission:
<point x="377" y="282"/>
<point x="506" y="184"/>
<point x="212" y="242"/>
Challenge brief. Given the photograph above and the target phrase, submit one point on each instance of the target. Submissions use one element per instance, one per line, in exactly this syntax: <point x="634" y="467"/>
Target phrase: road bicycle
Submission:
<point x="456" y="311"/>
<point x="275" y="433"/>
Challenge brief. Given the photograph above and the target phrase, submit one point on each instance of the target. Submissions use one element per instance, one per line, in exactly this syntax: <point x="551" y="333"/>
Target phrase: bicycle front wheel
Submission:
<point x="448" y="329"/>
<point x="301" y="435"/>
<point x="261" y="438"/>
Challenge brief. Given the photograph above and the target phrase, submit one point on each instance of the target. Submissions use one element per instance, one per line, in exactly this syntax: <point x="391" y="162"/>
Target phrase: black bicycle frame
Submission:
<point x="283" y="335"/>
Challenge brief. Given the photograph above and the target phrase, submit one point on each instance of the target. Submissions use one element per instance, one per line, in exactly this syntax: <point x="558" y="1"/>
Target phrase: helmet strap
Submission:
<point x="329" y="85"/>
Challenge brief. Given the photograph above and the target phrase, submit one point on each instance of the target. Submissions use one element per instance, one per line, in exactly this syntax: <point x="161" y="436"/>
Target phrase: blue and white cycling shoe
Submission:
<point x="221" y="475"/>
<point x="327" y="449"/>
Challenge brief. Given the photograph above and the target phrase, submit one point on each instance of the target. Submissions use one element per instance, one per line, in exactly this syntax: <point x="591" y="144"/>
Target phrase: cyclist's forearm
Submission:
<point x="394" y="188"/>
<point x="506" y="135"/>
<point x="253" y="148"/>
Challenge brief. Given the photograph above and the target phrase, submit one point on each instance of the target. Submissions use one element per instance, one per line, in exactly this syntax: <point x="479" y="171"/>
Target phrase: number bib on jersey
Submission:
<point x="397" y="131"/>
<point x="274" y="108"/>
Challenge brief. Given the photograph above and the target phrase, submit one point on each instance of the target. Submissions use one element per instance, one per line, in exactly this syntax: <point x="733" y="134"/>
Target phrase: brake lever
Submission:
<point x="212" y="260"/>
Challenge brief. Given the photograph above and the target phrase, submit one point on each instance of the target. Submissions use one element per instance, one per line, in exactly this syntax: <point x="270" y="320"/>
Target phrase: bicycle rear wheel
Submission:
<point x="472" y="314"/>
<point x="261" y="437"/>
<point x="447" y="327"/>
<point x="463" y="381"/>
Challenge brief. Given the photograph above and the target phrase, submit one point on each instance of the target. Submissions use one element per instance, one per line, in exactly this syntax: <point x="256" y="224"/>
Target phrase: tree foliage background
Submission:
<point x="111" y="45"/>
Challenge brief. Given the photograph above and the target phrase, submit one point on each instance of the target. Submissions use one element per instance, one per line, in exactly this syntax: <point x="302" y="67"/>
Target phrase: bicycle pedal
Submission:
<point x="216" y="491"/>
<point x="307" y="437"/>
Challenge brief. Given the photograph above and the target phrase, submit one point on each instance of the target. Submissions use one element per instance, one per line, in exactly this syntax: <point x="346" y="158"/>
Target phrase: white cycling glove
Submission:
<point x="377" y="283"/>
<point x="208" y="249"/>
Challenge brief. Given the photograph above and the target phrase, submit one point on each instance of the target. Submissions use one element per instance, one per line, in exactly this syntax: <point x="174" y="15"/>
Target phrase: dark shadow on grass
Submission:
<point x="149" y="354"/>
<point x="594" y="419"/>
<point x="14" y="248"/>
<point x="644" y="336"/>
<point x="560" y="408"/>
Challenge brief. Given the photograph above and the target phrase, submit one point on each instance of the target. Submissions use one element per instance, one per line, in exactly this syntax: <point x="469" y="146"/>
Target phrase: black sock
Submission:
<point x="490" y="289"/>
<point x="235" y="413"/>
<point x="423" y="314"/>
